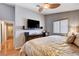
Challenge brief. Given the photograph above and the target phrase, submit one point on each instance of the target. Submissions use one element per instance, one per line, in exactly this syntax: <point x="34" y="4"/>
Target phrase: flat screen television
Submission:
<point x="33" y="23"/>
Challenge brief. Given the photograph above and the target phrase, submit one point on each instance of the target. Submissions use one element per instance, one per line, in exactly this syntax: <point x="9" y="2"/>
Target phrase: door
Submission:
<point x="9" y="36"/>
<point x="6" y="37"/>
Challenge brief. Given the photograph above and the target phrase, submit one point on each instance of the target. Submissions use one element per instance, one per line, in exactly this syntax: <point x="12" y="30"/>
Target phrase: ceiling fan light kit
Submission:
<point x="51" y="5"/>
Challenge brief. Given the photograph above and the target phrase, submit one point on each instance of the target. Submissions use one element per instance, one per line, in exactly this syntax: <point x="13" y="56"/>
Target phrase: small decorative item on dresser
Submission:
<point x="23" y="27"/>
<point x="41" y="27"/>
<point x="45" y="33"/>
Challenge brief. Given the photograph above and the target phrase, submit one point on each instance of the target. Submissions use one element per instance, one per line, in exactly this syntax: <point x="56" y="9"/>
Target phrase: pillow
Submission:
<point x="76" y="41"/>
<point x="71" y="38"/>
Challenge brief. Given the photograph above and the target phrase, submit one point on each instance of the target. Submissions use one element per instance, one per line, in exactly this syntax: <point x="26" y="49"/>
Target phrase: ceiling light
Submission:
<point x="47" y="6"/>
<point x="51" y="5"/>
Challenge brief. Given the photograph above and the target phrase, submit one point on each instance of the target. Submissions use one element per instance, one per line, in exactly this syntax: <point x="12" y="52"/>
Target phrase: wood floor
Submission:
<point x="8" y="49"/>
<point x="9" y="53"/>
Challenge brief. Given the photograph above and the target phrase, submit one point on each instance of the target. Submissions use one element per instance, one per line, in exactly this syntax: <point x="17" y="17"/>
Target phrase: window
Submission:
<point x="60" y="26"/>
<point x="56" y="27"/>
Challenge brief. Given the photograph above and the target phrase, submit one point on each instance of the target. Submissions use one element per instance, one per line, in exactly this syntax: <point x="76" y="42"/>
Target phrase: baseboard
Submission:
<point x="18" y="48"/>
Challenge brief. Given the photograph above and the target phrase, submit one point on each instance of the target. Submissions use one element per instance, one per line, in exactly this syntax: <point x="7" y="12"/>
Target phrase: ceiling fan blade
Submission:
<point x="40" y="8"/>
<point x="51" y="5"/>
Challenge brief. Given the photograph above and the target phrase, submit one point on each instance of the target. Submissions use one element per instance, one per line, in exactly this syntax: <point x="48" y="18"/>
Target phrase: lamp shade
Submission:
<point x="74" y="29"/>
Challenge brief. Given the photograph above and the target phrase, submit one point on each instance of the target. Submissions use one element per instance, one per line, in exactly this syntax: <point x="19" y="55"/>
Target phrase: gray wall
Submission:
<point x="21" y="16"/>
<point x="73" y="17"/>
<point x="7" y="12"/>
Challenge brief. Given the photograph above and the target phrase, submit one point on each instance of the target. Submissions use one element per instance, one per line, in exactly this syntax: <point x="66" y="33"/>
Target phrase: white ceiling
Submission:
<point x="62" y="8"/>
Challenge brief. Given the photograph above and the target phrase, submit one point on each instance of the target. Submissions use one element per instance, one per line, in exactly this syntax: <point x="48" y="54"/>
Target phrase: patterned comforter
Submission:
<point x="49" y="46"/>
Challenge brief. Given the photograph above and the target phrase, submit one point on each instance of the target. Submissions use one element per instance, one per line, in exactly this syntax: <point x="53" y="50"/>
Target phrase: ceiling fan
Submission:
<point x="47" y="6"/>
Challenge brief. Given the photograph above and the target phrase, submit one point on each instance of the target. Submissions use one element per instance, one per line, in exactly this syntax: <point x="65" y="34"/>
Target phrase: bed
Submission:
<point x="54" y="45"/>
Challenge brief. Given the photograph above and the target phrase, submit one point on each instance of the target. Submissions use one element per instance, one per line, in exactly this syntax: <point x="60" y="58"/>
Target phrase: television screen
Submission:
<point x="33" y="23"/>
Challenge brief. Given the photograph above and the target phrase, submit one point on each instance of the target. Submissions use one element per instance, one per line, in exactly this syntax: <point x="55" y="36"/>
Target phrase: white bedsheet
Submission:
<point x="49" y="46"/>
